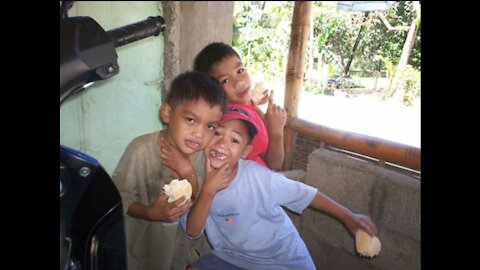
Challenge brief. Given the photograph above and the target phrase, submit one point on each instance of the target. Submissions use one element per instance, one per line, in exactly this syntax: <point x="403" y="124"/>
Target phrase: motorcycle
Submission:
<point x="92" y="231"/>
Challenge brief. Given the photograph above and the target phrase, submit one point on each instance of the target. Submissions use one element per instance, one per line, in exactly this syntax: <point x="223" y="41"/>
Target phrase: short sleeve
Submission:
<point x="292" y="194"/>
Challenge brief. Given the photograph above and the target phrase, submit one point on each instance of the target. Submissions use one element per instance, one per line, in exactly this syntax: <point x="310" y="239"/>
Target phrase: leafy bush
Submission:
<point x="411" y="84"/>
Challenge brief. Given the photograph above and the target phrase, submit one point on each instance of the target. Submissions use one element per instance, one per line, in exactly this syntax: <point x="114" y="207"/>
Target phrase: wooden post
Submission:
<point x="295" y="70"/>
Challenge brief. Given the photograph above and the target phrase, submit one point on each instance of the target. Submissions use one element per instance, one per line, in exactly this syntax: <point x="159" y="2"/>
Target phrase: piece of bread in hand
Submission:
<point x="367" y="245"/>
<point x="178" y="188"/>
<point x="260" y="94"/>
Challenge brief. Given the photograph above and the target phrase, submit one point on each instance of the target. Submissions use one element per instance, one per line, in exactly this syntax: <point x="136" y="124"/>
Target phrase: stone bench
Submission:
<point x="391" y="199"/>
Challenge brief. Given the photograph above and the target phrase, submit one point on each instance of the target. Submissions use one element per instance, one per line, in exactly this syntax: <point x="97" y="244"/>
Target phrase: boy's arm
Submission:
<point x="276" y="118"/>
<point x="352" y="221"/>
<point x="179" y="164"/>
<point x="160" y="210"/>
<point x="215" y="180"/>
<point x="130" y="174"/>
<point x="275" y="154"/>
<point x="198" y="213"/>
<point x="191" y="176"/>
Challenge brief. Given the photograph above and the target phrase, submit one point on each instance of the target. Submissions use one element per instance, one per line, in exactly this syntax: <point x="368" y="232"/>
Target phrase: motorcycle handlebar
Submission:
<point x="152" y="26"/>
<point x="87" y="51"/>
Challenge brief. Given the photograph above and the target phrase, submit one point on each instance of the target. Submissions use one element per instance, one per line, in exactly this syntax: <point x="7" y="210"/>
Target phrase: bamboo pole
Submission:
<point x="397" y="153"/>
<point x="295" y="70"/>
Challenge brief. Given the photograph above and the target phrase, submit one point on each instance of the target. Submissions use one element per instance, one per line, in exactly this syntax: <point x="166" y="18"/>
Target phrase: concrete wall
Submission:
<point x="304" y="146"/>
<point x="103" y="120"/>
<point x="391" y="199"/>
<point x="191" y="25"/>
<point x="207" y="21"/>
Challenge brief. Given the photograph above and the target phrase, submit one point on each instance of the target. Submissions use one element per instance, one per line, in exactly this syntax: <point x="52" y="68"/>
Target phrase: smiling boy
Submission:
<point x="239" y="206"/>
<point x="222" y="62"/>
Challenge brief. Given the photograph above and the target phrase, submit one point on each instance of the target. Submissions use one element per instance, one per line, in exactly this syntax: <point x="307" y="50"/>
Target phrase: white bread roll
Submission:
<point x="258" y="93"/>
<point x="367" y="245"/>
<point x="178" y="188"/>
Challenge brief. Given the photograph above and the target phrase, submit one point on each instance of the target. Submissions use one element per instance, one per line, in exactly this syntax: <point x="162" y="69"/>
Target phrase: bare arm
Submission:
<point x="275" y="154"/>
<point x="352" y="221"/>
<point x="215" y="180"/>
<point x="275" y="118"/>
<point x="179" y="164"/>
<point x="191" y="176"/>
<point x="198" y="214"/>
<point x="160" y="210"/>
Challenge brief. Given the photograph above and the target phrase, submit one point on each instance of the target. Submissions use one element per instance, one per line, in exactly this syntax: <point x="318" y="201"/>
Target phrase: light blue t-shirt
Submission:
<point x="247" y="226"/>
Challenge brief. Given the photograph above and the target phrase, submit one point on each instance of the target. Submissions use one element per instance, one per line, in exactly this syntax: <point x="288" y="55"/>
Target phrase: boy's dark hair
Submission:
<point x="212" y="54"/>
<point x="194" y="85"/>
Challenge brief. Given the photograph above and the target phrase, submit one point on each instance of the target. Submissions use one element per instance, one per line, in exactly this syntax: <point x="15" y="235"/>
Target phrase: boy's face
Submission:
<point x="229" y="144"/>
<point x="191" y="124"/>
<point x="234" y="78"/>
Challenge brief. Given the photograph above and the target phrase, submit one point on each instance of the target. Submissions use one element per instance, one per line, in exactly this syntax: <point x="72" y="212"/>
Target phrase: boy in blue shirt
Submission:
<point x="239" y="206"/>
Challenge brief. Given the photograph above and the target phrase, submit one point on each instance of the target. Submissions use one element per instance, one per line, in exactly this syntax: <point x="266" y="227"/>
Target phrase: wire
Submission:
<point x="75" y="91"/>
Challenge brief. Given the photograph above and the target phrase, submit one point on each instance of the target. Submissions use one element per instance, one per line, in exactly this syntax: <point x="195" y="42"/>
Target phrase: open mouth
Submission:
<point x="243" y="93"/>
<point x="217" y="155"/>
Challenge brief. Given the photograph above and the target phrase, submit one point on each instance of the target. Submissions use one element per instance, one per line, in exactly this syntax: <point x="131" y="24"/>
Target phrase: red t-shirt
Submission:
<point x="260" y="141"/>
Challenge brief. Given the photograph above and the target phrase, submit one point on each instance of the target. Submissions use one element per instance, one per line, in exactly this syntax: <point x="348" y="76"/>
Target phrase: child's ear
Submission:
<point x="165" y="112"/>
<point x="247" y="151"/>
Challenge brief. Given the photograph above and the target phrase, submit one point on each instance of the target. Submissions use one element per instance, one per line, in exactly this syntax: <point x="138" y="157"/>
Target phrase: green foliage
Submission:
<point x="261" y="34"/>
<point x="336" y="31"/>
<point x="343" y="33"/>
<point x="332" y="69"/>
<point x="261" y="37"/>
<point x="310" y="87"/>
<point x="411" y="84"/>
<point x="390" y="67"/>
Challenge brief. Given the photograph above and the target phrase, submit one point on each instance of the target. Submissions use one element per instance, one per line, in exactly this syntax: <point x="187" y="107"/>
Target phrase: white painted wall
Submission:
<point x="104" y="119"/>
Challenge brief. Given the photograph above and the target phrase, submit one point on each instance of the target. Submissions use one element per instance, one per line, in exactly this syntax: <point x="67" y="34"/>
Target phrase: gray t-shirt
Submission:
<point x="139" y="177"/>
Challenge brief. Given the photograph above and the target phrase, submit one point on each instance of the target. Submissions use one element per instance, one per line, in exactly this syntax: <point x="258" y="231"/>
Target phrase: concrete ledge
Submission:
<point x="391" y="199"/>
<point x="298" y="175"/>
<point x="397" y="204"/>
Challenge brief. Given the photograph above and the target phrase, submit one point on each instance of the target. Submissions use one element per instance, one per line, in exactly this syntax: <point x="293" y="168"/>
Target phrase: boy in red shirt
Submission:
<point x="223" y="63"/>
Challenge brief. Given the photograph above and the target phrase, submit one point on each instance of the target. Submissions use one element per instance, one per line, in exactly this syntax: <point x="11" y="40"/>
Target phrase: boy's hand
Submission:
<point x="353" y="222"/>
<point x="216" y="179"/>
<point x="275" y="117"/>
<point x="175" y="160"/>
<point x="162" y="210"/>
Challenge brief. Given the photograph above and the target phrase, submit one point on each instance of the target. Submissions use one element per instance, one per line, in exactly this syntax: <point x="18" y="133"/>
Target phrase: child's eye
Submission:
<point x="189" y="119"/>
<point x="225" y="81"/>
<point x="241" y="70"/>
<point x="235" y="141"/>
<point x="211" y="126"/>
<point x="218" y="131"/>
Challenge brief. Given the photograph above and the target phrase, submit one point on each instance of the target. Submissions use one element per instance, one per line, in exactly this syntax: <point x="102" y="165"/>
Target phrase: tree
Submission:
<point x="261" y="36"/>
<point x="344" y="40"/>
<point x="355" y="46"/>
<point x="398" y="84"/>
